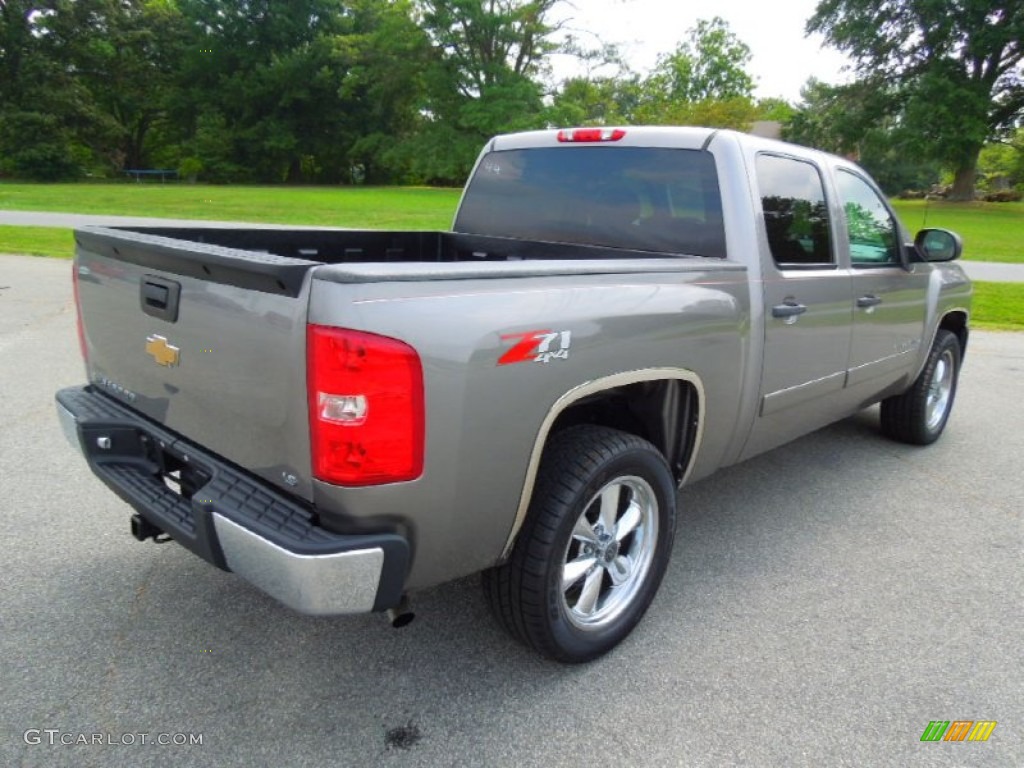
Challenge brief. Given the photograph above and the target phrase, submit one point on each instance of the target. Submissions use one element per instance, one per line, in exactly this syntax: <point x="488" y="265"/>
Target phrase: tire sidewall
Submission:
<point x="945" y="342"/>
<point x="581" y="644"/>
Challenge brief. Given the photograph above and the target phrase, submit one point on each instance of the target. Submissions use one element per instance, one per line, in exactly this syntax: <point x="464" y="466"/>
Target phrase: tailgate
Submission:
<point x="209" y="342"/>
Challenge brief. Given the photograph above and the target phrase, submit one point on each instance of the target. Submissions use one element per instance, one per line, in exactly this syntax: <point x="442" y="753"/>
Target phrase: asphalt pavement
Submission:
<point x="992" y="271"/>
<point x="976" y="270"/>
<point x="825" y="602"/>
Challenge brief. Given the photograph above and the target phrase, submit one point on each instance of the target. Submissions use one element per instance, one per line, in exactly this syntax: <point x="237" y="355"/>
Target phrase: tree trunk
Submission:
<point x="294" y="173"/>
<point x="963" y="181"/>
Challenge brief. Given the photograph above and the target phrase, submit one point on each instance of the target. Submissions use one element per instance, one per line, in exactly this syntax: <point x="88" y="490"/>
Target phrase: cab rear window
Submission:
<point x="659" y="200"/>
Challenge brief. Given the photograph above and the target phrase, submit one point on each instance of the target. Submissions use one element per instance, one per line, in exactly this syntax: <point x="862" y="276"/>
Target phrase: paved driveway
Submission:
<point x="993" y="272"/>
<point x="826" y="601"/>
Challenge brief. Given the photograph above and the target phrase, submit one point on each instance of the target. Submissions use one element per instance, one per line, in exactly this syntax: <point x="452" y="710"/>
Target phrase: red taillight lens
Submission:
<point x="591" y="134"/>
<point x="78" y="312"/>
<point x="365" y="407"/>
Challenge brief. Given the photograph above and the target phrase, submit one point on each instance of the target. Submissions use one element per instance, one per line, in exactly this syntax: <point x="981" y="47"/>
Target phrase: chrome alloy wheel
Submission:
<point x="610" y="552"/>
<point x="940" y="390"/>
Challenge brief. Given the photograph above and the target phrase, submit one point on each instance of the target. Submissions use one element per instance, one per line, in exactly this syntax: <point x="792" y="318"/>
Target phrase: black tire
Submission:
<point x="588" y="476"/>
<point x="919" y="415"/>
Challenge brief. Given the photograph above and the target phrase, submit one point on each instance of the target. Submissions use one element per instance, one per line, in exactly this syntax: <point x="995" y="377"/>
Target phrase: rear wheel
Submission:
<point x="593" y="549"/>
<point x="919" y="415"/>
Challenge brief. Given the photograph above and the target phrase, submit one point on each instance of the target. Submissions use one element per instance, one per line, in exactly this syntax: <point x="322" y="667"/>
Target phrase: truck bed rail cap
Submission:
<point x="382" y="273"/>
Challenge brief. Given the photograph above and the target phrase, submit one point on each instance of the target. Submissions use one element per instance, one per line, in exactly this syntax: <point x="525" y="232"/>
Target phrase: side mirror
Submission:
<point x="938" y="245"/>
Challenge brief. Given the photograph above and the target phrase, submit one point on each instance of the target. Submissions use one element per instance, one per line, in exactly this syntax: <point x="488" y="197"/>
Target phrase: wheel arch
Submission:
<point x="955" y="321"/>
<point x="662" y="405"/>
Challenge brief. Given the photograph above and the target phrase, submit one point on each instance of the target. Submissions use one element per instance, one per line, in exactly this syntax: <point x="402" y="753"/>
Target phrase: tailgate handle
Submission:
<point x="159" y="297"/>
<point x="156" y="295"/>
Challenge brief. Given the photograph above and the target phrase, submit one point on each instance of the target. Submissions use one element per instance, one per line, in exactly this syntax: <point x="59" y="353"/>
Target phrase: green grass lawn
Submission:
<point x="363" y="207"/>
<point x="998" y="306"/>
<point x="37" y="241"/>
<point x="991" y="231"/>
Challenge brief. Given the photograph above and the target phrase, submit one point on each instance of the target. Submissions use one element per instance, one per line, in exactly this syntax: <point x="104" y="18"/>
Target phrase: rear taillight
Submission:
<point x="365" y="407"/>
<point x="78" y="312"/>
<point x="591" y="134"/>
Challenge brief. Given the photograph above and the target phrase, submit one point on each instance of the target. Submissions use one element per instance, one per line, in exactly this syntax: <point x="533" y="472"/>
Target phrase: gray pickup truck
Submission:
<point x="344" y="417"/>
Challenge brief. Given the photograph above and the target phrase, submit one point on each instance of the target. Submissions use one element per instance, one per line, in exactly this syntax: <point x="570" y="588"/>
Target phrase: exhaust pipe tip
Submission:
<point x="400" y="616"/>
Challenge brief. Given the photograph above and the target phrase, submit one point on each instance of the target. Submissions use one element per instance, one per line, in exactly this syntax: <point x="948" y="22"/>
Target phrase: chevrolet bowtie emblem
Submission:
<point x="164" y="354"/>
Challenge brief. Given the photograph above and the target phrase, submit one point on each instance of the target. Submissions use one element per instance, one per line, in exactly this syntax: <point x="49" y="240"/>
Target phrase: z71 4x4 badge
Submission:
<point x="537" y="347"/>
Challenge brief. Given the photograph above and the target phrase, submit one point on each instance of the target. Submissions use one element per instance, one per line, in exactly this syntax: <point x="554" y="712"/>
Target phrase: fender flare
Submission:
<point x="586" y="389"/>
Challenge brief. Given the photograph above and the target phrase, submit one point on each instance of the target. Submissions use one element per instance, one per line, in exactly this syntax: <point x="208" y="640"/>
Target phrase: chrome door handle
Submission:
<point x="788" y="309"/>
<point x="868" y="301"/>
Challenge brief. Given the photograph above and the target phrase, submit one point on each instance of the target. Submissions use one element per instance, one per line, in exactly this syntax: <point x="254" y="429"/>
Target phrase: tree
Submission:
<point x="834" y="118"/>
<point x="775" y="108"/>
<point x="710" y="65"/>
<point x="861" y="121"/>
<point x="487" y="42"/>
<point x="303" y="91"/>
<point x="384" y="88"/>
<point x="39" y="103"/>
<point x="15" y="42"/>
<point x="488" y="56"/>
<point x="1002" y="163"/>
<point x="258" y="91"/>
<point x="122" y="54"/>
<point x="601" y="100"/>
<point x="607" y="93"/>
<point x="702" y="82"/>
<point x="271" y="91"/>
<point x="956" y="68"/>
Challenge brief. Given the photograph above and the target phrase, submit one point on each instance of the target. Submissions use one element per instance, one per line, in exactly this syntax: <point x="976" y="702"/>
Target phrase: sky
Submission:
<point x="782" y="58"/>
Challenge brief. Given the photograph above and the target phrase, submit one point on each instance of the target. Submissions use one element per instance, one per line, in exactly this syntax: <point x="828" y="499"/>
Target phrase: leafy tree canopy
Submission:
<point x="704" y="81"/>
<point x="954" y="69"/>
<point x="482" y="79"/>
<point x="710" y="64"/>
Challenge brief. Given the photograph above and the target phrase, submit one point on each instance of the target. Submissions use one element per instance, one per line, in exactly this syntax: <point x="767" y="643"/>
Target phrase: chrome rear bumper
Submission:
<point x="230" y="518"/>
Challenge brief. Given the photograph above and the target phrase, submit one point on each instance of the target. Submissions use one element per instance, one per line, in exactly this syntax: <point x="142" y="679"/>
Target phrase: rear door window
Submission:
<point x="644" y="199"/>
<point x="795" y="213"/>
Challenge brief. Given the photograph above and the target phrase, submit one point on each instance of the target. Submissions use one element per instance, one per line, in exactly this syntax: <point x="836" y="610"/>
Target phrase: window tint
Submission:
<point x="872" y="231"/>
<point x="795" y="213"/>
<point x="662" y="200"/>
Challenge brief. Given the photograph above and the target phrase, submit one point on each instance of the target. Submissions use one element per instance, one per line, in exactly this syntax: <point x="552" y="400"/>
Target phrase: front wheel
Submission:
<point x="594" y="547"/>
<point x="919" y="415"/>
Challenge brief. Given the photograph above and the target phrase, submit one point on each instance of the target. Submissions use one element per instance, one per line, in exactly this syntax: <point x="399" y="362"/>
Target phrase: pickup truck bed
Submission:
<point x="243" y="323"/>
<point x="351" y="246"/>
